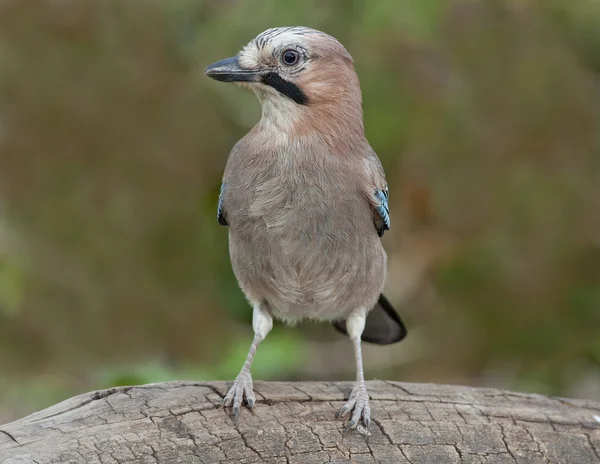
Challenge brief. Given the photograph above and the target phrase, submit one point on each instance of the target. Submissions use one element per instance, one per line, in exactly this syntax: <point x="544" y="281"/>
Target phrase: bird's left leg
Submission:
<point x="358" y="403"/>
<point x="242" y="388"/>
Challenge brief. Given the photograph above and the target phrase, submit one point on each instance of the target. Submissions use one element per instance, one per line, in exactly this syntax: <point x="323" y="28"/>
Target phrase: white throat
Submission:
<point x="279" y="113"/>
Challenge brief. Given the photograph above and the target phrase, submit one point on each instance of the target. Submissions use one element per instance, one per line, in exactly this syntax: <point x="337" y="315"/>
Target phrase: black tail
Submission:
<point x="383" y="325"/>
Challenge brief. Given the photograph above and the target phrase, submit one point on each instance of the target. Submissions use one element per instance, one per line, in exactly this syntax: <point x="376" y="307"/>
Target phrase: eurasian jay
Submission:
<point x="306" y="201"/>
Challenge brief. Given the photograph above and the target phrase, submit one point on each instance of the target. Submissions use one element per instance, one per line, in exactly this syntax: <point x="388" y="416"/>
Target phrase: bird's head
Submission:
<point x="304" y="79"/>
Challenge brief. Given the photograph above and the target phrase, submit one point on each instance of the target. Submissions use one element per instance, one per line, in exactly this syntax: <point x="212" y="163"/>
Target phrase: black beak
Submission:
<point x="229" y="70"/>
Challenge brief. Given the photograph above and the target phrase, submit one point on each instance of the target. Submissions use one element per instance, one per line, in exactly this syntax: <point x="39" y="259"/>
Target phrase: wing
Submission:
<point x="377" y="192"/>
<point x="220" y="211"/>
<point x="383" y="211"/>
<point x="383" y="325"/>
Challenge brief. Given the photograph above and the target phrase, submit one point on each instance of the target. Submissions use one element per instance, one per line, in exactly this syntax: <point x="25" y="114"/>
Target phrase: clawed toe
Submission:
<point x="344" y="410"/>
<point x="240" y="392"/>
<point x="350" y="425"/>
<point x="358" y="405"/>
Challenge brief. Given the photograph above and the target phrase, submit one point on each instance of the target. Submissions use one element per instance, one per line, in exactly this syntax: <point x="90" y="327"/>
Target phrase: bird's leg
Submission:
<point x="358" y="403"/>
<point x="262" y="323"/>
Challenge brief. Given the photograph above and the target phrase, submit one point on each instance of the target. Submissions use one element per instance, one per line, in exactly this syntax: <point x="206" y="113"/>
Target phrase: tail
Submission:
<point x="383" y="325"/>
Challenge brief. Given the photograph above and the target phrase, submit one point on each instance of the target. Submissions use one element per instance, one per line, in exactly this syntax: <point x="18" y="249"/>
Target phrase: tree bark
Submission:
<point x="177" y="422"/>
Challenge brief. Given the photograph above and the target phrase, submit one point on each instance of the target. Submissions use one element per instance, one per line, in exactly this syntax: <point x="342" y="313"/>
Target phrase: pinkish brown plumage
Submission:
<point x="305" y="199"/>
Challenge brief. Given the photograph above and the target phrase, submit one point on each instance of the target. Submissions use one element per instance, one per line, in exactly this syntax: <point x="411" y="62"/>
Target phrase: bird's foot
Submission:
<point x="240" y="390"/>
<point x="358" y="406"/>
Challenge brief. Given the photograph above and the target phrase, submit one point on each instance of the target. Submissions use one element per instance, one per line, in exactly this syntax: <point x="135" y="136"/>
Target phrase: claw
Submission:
<point x="349" y="426"/>
<point x="358" y="405"/>
<point x="342" y="412"/>
<point x="240" y="393"/>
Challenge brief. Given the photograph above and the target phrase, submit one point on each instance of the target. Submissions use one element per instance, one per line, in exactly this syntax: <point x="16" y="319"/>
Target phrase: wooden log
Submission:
<point x="177" y="422"/>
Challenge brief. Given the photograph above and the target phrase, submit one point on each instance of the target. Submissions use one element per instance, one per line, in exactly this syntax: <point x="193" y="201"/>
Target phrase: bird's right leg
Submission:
<point x="358" y="403"/>
<point x="262" y="323"/>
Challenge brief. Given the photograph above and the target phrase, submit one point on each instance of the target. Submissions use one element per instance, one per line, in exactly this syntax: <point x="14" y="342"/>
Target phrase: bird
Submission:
<point x="305" y="201"/>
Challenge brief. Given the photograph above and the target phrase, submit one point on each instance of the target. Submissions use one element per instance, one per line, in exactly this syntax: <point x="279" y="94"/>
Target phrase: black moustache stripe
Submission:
<point x="284" y="87"/>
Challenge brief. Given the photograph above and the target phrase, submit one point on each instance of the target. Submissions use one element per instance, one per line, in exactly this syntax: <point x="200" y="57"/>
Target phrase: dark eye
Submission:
<point x="290" y="57"/>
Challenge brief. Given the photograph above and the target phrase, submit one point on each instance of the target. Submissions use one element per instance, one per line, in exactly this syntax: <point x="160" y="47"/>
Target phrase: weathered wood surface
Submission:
<point x="177" y="422"/>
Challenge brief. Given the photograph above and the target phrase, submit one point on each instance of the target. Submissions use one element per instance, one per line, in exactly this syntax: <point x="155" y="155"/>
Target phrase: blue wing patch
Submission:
<point x="383" y="210"/>
<point x="220" y="213"/>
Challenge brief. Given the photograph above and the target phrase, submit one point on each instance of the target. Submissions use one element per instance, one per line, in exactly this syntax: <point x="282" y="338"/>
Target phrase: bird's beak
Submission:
<point x="229" y="70"/>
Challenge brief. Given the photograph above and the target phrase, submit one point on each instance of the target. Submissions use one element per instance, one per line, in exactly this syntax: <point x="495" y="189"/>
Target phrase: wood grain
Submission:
<point x="177" y="422"/>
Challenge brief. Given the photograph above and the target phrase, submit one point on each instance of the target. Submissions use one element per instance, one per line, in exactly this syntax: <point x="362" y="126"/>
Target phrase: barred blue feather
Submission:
<point x="383" y="210"/>
<point x="220" y="213"/>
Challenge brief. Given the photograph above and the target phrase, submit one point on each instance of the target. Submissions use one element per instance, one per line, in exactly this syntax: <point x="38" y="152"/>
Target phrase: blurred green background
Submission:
<point x="113" y="269"/>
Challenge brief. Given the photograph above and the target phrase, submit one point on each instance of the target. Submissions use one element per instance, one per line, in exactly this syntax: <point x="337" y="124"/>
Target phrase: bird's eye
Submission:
<point x="290" y="57"/>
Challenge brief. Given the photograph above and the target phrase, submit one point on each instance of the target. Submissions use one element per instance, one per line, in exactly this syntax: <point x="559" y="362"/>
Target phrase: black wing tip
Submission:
<point x="391" y="312"/>
<point x="380" y="231"/>
<point x="385" y="304"/>
<point x="222" y="221"/>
